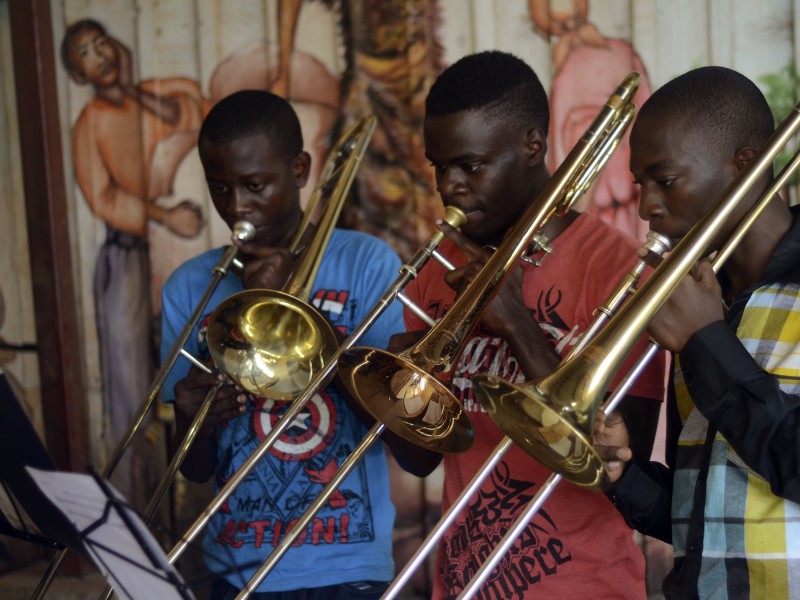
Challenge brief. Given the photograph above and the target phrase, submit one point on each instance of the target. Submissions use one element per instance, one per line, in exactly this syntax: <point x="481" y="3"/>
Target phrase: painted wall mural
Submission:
<point x="138" y="76"/>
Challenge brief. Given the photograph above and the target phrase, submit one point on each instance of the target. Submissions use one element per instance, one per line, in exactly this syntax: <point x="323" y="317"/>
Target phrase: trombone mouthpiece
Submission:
<point x="243" y="230"/>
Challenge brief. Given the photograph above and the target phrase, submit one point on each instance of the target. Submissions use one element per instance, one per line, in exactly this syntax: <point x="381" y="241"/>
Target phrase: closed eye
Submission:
<point x="215" y="189"/>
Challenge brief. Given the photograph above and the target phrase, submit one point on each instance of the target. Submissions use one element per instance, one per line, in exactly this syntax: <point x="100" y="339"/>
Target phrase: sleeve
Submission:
<point x="746" y="405"/>
<point x="380" y="269"/>
<point x="175" y="304"/>
<point x="643" y="495"/>
<point x="105" y="198"/>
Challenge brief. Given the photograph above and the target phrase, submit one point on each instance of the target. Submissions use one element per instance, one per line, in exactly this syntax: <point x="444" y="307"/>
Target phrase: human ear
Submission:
<point x="743" y="157"/>
<point x="535" y="146"/>
<point x="302" y="169"/>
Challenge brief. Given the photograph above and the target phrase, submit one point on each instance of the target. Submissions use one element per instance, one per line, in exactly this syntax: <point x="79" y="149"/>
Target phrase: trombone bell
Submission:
<point x="269" y="342"/>
<point x="559" y="439"/>
<point x="406" y="399"/>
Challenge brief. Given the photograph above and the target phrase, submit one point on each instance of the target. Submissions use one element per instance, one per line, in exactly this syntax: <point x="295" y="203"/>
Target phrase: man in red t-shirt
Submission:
<point x="485" y="135"/>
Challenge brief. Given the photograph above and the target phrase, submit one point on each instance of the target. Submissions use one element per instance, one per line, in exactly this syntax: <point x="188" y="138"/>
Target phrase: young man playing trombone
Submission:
<point x="485" y="135"/>
<point x="728" y="499"/>
<point x="251" y="148"/>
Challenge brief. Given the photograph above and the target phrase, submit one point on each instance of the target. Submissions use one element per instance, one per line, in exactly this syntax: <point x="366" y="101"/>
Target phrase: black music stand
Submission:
<point x="25" y="512"/>
<point x="85" y="513"/>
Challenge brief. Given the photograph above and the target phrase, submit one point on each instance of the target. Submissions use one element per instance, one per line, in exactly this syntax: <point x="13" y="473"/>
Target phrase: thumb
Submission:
<point x="703" y="273"/>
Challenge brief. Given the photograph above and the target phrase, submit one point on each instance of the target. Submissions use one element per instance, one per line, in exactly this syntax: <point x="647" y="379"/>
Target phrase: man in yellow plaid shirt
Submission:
<point x="728" y="499"/>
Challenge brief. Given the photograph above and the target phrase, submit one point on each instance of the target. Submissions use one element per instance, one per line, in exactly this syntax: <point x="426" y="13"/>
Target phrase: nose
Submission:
<point x="449" y="184"/>
<point x="239" y="206"/>
<point x="649" y="207"/>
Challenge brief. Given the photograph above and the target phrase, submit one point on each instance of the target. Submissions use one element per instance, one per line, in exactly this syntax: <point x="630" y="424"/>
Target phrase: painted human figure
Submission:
<point x="588" y="66"/>
<point x="114" y="143"/>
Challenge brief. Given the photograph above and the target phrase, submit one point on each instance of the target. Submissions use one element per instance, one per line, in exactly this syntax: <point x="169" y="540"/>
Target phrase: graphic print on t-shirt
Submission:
<point x="332" y="304"/>
<point x="289" y="479"/>
<point x="538" y="552"/>
<point x="486" y="352"/>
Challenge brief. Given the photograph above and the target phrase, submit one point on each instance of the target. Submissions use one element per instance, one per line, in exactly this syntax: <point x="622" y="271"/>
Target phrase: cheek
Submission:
<point x="220" y="205"/>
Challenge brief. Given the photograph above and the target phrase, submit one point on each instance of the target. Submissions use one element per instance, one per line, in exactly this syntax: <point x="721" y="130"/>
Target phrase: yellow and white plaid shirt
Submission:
<point x="750" y="541"/>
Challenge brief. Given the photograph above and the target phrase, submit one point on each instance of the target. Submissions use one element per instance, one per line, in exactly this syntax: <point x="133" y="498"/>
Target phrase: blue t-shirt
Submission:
<point x="350" y="539"/>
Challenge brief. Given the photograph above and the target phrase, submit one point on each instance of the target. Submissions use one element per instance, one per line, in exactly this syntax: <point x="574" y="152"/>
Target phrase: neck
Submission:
<point x="556" y="225"/>
<point x="749" y="259"/>
<point x="113" y="95"/>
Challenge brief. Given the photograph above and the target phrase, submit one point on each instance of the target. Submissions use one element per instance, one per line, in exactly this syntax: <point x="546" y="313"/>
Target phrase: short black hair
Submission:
<point x="725" y="108"/>
<point x="493" y="81"/>
<point x="73" y="30"/>
<point x="249" y="112"/>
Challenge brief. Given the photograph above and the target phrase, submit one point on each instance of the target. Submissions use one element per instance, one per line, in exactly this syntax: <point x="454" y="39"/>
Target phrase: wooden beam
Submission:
<point x="57" y="326"/>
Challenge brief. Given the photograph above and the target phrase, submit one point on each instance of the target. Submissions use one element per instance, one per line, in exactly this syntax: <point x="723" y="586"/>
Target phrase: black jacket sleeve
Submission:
<point x="643" y="495"/>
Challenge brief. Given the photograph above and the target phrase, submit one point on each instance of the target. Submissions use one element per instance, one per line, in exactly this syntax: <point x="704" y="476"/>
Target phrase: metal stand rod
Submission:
<point x="175" y="463"/>
<point x="219" y="273"/>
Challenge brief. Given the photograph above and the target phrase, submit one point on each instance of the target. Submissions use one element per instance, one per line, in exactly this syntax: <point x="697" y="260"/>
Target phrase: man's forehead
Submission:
<point x="85" y="37"/>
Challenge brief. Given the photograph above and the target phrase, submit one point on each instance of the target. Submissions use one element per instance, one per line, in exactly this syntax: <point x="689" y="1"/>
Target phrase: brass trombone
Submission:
<point x="560" y="409"/>
<point x="272" y="342"/>
<point x="401" y="392"/>
<point x="303" y="340"/>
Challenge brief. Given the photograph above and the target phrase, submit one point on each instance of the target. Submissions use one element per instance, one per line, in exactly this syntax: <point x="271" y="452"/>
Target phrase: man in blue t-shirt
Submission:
<point x="251" y="149"/>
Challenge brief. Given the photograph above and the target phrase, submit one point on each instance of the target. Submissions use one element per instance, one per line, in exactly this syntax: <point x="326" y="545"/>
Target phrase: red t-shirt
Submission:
<point x="578" y="545"/>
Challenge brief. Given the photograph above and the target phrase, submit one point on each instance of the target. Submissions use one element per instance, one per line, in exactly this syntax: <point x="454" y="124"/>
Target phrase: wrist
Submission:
<point x="156" y="213"/>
